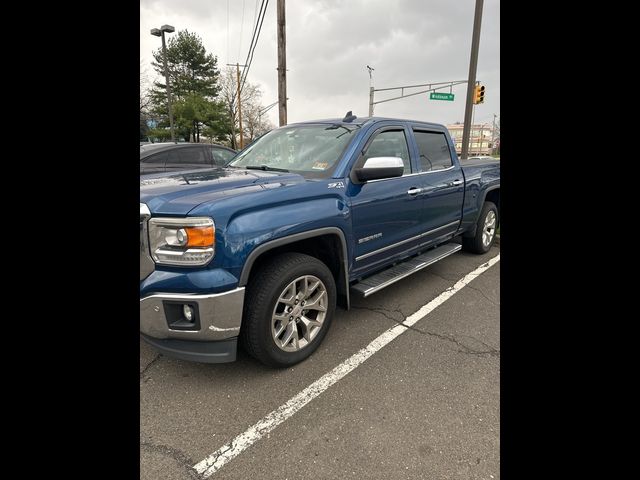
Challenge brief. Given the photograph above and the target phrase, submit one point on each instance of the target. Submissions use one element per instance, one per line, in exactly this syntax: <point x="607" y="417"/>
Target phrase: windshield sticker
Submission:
<point x="320" y="166"/>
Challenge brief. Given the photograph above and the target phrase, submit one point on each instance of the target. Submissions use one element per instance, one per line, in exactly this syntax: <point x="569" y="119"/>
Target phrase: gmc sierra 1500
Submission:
<point x="263" y="249"/>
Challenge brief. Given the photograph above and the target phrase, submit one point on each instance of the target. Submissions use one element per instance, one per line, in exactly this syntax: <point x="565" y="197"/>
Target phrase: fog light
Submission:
<point x="187" y="311"/>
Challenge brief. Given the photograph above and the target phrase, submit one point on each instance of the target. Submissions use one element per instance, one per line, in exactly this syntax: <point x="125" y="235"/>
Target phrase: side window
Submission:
<point x="191" y="155"/>
<point x="390" y="143"/>
<point x="157" y="158"/>
<point x="434" y="151"/>
<point x="221" y="156"/>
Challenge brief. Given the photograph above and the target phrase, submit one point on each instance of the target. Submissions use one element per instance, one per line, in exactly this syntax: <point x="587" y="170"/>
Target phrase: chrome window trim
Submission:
<point x="384" y="249"/>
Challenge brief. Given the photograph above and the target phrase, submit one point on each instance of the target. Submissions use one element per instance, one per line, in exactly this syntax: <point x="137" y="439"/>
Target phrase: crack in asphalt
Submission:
<point x="469" y="286"/>
<point x="218" y="454"/>
<point x="443" y="277"/>
<point x="385" y="312"/>
<point x="497" y="304"/>
<point x="155" y="359"/>
<point x="180" y="457"/>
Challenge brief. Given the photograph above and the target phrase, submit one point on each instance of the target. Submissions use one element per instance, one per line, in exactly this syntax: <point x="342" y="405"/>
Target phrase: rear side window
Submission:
<point x="157" y="158"/>
<point x="390" y="143"/>
<point x="191" y="155"/>
<point x="434" y="151"/>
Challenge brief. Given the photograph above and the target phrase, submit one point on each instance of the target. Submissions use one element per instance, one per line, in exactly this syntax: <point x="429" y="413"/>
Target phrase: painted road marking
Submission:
<point x="220" y="457"/>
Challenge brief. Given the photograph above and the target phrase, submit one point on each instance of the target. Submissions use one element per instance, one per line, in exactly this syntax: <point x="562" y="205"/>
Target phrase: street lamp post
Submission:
<point x="160" y="33"/>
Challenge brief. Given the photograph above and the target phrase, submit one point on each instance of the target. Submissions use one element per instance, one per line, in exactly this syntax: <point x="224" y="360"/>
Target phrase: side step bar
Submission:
<point x="385" y="278"/>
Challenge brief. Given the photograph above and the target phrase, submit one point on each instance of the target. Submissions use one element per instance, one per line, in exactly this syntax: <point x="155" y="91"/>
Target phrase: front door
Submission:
<point x="386" y="213"/>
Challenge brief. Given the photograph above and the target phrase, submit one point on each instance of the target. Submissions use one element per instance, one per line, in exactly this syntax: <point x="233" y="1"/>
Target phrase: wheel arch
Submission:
<point x="312" y="242"/>
<point x="491" y="194"/>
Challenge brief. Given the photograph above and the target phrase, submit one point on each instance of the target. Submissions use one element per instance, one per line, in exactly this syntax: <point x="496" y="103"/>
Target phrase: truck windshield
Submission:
<point x="310" y="150"/>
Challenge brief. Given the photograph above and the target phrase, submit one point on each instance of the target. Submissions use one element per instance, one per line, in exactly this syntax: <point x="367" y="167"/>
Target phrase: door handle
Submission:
<point x="456" y="182"/>
<point x="414" y="191"/>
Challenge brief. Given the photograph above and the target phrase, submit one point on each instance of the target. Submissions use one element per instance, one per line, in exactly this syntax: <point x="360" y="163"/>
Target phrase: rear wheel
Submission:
<point x="289" y="306"/>
<point x="485" y="230"/>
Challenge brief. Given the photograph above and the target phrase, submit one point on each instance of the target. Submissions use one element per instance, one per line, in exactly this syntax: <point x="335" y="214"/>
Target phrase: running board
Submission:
<point x="387" y="277"/>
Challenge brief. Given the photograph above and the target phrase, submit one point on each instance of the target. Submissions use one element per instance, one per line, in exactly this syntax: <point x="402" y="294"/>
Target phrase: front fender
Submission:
<point x="244" y="223"/>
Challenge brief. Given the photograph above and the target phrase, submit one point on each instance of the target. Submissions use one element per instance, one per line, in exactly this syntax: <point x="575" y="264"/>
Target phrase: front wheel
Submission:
<point x="289" y="306"/>
<point x="485" y="230"/>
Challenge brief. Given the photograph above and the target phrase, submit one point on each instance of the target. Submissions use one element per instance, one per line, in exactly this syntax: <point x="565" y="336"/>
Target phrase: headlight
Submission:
<point x="182" y="241"/>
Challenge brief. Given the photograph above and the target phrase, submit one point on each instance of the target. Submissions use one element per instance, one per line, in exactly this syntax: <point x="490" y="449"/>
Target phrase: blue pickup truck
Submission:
<point x="262" y="250"/>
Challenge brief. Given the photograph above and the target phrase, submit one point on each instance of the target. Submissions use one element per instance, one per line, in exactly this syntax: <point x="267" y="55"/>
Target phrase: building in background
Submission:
<point x="481" y="141"/>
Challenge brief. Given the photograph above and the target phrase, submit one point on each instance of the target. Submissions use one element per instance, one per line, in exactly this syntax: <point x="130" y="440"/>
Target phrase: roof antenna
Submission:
<point x="349" y="117"/>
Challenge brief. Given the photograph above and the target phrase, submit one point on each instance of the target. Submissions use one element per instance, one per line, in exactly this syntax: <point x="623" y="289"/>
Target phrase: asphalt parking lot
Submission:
<point x="425" y="406"/>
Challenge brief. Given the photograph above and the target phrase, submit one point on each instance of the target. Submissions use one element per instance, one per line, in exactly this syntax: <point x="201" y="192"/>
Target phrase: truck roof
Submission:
<point x="363" y="120"/>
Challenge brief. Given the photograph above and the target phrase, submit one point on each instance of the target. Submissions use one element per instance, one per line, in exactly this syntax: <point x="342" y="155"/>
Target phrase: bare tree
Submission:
<point x="496" y="135"/>
<point x="145" y="99"/>
<point x="253" y="122"/>
<point x="145" y="102"/>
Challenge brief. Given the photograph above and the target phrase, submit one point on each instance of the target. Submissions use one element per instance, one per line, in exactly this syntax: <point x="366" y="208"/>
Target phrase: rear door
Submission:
<point x="441" y="184"/>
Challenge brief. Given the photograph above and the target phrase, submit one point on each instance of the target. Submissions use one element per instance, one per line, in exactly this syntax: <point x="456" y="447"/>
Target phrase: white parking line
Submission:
<point x="220" y="457"/>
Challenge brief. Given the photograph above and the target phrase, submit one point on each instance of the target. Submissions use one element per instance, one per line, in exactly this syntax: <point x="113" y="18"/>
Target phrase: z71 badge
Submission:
<point x="336" y="185"/>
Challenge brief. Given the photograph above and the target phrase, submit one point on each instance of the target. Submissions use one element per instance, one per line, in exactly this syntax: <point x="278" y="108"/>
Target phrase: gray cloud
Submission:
<point x="329" y="42"/>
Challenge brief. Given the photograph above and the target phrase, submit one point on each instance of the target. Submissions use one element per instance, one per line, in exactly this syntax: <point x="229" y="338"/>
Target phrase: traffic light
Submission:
<point x="478" y="94"/>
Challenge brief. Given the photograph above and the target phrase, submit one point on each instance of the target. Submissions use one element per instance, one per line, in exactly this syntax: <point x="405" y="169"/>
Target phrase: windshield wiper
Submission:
<point x="266" y="168"/>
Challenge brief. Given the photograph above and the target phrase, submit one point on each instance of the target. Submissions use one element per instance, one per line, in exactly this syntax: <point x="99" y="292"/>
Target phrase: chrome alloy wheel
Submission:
<point x="299" y="313"/>
<point x="489" y="229"/>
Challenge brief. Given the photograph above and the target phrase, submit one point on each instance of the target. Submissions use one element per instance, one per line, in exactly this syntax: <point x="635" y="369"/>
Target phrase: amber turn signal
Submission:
<point x="200" y="236"/>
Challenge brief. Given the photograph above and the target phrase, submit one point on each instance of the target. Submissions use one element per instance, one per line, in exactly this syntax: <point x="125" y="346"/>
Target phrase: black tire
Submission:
<point x="263" y="291"/>
<point x="475" y="244"/>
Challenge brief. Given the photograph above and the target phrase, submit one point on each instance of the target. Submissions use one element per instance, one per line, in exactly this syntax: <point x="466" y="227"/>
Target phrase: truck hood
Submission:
<point x="180" y="192"/>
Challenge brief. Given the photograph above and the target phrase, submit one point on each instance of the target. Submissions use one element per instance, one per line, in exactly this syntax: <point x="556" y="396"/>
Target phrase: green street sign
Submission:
<point x="441" y="96"/>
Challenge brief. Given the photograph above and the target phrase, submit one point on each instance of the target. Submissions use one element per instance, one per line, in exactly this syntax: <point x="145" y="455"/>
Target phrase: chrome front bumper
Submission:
<point x="220" y="316"/>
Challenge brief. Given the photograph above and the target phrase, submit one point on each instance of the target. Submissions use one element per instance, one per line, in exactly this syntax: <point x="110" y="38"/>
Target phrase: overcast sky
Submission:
<point x="329" y="44"/>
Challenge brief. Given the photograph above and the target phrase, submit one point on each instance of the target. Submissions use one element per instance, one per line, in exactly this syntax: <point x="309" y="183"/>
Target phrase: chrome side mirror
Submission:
<point x="380" y="167"/>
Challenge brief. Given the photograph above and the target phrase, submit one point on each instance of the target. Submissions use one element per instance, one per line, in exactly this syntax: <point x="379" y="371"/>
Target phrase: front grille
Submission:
<point x="146" y="263"/>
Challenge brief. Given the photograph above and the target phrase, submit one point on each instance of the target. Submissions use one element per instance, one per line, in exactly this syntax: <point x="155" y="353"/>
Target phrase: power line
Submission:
<point x="254" y="42"/>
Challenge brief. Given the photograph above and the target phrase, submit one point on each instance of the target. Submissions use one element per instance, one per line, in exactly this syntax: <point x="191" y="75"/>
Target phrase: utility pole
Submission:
<point x="471" y="83"/>
<point x="473" y="119"/>
<point x="282" y="64"/>
<point x="239" y="108"/>
<point x="239" y="103"/>
<point x="371" y="101"/>
<point x="370" y="91"/>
